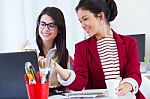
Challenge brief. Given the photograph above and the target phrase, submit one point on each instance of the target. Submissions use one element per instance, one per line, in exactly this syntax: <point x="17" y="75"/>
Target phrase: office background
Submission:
<point x="18" y="20"/>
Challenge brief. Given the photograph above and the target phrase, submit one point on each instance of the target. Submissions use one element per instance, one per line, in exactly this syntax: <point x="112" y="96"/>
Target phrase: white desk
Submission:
<point x="146" y="74"/>
<point x="145" y="86"/>
<point x="144" y="70"/>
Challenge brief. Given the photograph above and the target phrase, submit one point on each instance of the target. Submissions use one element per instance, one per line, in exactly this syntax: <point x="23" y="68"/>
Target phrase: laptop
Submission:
<point x="12" y="71"/>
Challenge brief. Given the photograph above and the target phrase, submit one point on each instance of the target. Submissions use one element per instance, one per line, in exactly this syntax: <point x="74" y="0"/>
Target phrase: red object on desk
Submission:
<point x="38" y="78"/>
<point x="26" y="79"/>
<point x="38" y="90"/>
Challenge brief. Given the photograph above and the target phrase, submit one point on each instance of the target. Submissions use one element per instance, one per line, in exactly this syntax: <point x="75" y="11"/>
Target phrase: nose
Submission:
<point x="83" y="25"/>
<point x="46" y="28"/>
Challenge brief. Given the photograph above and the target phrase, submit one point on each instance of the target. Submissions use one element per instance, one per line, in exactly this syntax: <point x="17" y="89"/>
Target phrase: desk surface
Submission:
<point x="127" y="96"/>
<point x="147" y="74"/>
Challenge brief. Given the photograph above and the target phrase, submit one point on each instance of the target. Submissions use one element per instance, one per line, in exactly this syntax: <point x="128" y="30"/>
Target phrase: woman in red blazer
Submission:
<point x="105" y="55"/>
<point x="94" y="16"/>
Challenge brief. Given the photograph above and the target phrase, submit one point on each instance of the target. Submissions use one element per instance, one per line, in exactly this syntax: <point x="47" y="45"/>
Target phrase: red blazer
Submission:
<point x="88" y="68"/>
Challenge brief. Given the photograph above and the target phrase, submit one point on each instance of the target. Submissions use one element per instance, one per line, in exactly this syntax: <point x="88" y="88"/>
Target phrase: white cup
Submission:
<point x="112" y="84"/>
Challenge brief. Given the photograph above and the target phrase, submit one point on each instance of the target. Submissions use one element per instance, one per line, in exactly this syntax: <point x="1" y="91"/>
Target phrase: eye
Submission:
<point x="85" y="19"/>
<point x="42" y="24"/>
<point x="51" y="25"/>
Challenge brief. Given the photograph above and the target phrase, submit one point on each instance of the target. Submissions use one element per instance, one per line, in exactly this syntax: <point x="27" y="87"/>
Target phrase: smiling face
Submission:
<point x="89" y="22"/>
<point x="47" y="28"/>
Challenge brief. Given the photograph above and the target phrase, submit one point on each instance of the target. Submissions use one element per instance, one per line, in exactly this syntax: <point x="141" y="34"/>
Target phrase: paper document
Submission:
<point x="88" y="93"/>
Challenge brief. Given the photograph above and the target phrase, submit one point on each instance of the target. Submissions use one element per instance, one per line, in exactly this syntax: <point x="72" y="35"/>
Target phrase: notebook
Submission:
<point x="12" y="71"/>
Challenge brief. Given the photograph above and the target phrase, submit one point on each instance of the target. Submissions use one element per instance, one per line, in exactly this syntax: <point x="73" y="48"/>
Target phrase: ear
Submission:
<point x="101" y="16"/>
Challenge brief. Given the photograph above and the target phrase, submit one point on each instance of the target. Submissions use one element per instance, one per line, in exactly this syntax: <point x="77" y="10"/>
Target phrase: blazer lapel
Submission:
<point x="121" y="47"/>
<point x="93" y="49"/>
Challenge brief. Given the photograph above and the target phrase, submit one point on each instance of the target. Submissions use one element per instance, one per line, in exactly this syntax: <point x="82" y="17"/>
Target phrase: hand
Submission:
<point x="124" y="88"/>
<point x="47" y="62"/>
<point x="52" y="64"/>
<point x="42" y="61"/>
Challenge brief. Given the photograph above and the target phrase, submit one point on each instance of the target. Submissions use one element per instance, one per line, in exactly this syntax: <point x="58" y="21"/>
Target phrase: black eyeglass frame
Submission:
<point x="50" y="26"/>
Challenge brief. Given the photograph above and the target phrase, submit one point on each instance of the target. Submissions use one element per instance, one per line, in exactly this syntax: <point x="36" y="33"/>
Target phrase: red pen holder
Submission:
<point x="38" y="90"/>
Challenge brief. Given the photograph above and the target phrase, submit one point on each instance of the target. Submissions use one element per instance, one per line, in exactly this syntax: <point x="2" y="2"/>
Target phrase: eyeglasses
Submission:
<point x="50" y="26"/>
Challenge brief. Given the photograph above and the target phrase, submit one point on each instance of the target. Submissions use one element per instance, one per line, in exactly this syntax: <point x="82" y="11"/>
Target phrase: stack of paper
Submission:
<point x="88" y="93"/>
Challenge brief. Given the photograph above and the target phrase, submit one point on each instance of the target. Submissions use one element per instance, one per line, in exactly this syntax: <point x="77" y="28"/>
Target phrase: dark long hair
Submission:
<point x="96" y="6"/>
<point x="60" y="40"/>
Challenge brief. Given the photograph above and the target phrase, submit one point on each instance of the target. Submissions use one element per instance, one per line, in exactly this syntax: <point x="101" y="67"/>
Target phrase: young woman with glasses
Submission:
<point x="51" y="41"/>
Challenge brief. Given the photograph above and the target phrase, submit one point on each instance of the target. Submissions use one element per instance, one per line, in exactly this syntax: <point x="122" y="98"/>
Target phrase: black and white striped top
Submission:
<point x="108" y="54"/>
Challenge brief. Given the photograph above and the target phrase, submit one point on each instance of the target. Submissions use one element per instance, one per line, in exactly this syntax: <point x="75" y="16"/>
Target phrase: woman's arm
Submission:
<point x="65" y="76"/>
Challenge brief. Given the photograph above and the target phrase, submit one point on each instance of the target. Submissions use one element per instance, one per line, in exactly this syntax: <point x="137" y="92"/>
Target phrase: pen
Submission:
<point x="47" y="76"/>
<point x="30" y="73"/>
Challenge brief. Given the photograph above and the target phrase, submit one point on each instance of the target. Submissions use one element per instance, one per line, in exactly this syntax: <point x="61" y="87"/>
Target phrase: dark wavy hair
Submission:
<point x="96" y="6"/>
<point x="60" y="40"/>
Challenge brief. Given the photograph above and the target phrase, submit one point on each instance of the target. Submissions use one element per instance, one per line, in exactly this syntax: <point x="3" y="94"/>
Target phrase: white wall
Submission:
<point x="133" y="18"/>
<point x="18" y="22"/>
<point x="18" y="19"/>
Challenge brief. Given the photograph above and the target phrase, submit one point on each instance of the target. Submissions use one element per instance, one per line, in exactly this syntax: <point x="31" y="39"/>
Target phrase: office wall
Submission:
<point x="18" y="19"/>
<point x="133" y="18"/>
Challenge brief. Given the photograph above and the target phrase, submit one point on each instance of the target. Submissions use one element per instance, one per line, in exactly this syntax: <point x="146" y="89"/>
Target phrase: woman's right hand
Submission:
<point x="47" y="62"/>
<point x="42" y="61"/>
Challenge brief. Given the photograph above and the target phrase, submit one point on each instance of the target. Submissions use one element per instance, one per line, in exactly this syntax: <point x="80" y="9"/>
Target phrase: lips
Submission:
<point x="46" y="34"/>
<point x="86" y="29"/>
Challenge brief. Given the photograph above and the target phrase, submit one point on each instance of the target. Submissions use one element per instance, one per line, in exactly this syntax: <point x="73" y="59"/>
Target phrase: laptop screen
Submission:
<point x="12" y="71"/>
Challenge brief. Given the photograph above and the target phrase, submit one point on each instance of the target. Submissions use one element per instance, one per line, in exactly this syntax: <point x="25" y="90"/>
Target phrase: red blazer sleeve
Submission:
<point x="133" y="64"/>
<point x="81" y="69"/>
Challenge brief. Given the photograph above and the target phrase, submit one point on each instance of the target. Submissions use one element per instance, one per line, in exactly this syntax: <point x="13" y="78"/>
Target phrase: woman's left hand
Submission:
<point x="124" y="88"/>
